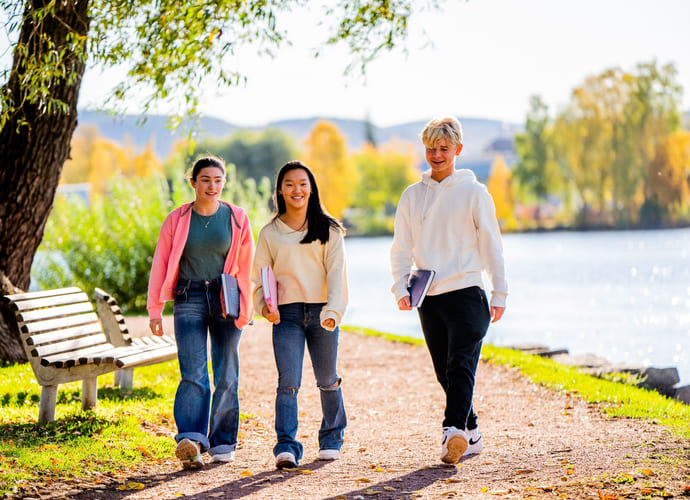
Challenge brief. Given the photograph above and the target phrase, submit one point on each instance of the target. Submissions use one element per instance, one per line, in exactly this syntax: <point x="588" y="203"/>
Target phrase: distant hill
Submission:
<point x="480" y="135"/>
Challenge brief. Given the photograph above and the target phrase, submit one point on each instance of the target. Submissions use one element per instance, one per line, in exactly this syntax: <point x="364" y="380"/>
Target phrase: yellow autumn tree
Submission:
<point x="325" y="153"/>
<point x="500" y="187"/>
<point x="76" y="168"/>
<point x="668" y="175"/>
<point x="95" y="159"/>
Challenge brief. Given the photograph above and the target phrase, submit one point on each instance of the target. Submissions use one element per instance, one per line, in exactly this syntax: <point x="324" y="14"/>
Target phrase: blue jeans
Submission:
<point x="300" y="324"/>
<point x="454" y="326"/>
<point x="197" y="314"/>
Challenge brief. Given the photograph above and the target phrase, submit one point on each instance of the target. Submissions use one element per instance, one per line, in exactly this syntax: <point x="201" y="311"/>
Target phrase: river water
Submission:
<point x="623" y="295"/>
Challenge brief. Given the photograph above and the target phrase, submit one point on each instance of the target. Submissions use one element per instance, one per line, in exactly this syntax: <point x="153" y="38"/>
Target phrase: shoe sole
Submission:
<point x="189" y="455"/>
<point x="286" y="464"/>
<point x="456" y="446"/>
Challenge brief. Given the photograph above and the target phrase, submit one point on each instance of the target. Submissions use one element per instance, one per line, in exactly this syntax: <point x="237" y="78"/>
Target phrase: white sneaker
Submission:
<point x="453" y="446"/>
<point x="189" y="453"/>
<point x="329" y="454"/>
<point x="475" y="442"/>
<point x="223" y="457"/>
<point x="286" y="460"/>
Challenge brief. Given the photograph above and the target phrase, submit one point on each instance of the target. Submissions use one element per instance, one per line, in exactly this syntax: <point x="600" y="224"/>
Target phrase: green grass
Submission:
<point x="80" y="444"/>
<point x="616" y="398"/>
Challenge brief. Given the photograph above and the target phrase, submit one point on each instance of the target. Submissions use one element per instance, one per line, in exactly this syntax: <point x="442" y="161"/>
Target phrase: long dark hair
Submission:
<point x="319" y="221"/>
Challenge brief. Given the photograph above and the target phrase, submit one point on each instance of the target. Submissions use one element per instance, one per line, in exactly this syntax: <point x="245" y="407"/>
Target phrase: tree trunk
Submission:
<point x="34" y="144"/>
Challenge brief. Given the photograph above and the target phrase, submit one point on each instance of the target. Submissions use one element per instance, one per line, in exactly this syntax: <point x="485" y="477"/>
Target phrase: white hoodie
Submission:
<point x="450" y="227"/>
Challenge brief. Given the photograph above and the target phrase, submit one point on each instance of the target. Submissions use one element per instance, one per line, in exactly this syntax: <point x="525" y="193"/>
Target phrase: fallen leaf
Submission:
<point x="363" y="480"/>
<point x="524" y="471"/>
<point x="453" y="480"/>
<point x="132" y="486"/>
<point x="389" y="488"/>
<point x="648" y="472"/>
<point x="379" y="469"/>
<point x="246" y="473"/>
<point x="305" y="471"/>
<point x="372" y="492"/>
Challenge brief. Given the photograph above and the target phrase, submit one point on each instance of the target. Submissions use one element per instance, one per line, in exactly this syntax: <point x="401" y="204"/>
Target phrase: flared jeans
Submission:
<point x="210" y="417"/>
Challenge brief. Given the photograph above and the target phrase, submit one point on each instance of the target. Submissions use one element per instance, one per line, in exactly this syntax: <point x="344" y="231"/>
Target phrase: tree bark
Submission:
<point x="34" y="145"/>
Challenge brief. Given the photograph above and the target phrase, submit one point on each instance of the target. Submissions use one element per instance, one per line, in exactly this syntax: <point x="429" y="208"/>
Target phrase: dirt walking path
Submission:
<point x="538" y="443"/>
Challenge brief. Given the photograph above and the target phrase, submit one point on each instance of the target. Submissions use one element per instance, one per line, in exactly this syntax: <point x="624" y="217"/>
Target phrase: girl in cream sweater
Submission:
<point x="305" y="248"/>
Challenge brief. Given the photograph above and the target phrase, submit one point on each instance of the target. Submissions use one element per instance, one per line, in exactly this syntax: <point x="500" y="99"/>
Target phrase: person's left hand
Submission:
<point x="329" y="323"/>
<point x="496" y="313"/>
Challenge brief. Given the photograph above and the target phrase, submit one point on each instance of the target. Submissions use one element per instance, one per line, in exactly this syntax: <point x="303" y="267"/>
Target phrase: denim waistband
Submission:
<point x="199" y="284"/>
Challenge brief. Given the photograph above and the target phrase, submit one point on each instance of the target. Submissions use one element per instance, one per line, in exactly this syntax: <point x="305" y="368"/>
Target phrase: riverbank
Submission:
<point x="538" y="443"/>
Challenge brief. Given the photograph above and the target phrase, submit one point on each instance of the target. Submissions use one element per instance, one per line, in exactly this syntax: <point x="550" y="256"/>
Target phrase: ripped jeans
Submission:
<point x="300" y="325"/>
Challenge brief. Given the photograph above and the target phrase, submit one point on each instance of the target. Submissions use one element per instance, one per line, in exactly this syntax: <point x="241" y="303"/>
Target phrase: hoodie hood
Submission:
<point x="457" y="177"/>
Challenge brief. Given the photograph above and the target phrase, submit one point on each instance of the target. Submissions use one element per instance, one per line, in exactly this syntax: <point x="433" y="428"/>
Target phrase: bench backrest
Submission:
<point x="59" y="330"/>
<point x="112" y="319"/>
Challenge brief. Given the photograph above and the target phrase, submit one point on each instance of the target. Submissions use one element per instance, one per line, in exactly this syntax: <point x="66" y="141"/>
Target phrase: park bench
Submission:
<point x="65" y="342"/>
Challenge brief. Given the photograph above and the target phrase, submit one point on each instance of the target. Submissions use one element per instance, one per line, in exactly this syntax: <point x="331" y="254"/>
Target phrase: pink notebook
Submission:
<point x="268" y="282"/>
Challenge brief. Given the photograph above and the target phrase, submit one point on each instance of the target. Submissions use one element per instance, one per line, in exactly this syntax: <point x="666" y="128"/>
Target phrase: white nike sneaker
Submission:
<point x="475" y="442"/>
<point x="453" y="446"/>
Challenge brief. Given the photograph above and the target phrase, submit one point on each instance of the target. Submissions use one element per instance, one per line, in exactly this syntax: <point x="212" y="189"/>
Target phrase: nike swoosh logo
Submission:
<point x="473" y="442"/>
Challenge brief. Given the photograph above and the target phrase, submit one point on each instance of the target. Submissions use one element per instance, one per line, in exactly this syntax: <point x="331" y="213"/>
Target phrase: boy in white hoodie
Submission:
<point x="447" y="223"/>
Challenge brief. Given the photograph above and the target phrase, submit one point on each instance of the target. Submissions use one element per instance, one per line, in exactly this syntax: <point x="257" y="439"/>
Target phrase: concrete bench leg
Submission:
<point x="46" y="408"/>
<point x="89" y="392"/>
<point x="126" y="379"/>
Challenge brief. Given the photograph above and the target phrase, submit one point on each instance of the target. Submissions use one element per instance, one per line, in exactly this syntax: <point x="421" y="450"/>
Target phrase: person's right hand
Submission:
<point x="156" y="326"/>
<point x="404" y="304"/>
<point x="273" y="317"/>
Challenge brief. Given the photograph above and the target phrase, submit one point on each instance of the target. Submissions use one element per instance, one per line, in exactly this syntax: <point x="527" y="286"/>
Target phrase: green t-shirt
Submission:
<point x="208" y="243"/>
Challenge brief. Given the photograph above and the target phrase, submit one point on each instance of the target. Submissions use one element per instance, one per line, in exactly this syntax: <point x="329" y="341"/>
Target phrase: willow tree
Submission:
<point x="169" y="48"/>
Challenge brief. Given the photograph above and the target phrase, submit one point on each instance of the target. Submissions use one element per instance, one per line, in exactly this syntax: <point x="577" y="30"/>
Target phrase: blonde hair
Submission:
<point x="448" y="128"/>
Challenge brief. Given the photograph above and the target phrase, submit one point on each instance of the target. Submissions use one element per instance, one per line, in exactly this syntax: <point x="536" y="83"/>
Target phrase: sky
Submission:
<point x="475" y="58"/>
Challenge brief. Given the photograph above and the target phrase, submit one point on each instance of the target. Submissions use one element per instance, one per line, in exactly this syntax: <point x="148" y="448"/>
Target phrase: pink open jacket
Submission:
<point x="166" y="260"/>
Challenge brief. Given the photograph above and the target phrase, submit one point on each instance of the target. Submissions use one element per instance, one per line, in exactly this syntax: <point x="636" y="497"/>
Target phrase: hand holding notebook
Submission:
<point x="230" y="295"/>
<point x="418" y="285"/>
<point x="270" y="288"/>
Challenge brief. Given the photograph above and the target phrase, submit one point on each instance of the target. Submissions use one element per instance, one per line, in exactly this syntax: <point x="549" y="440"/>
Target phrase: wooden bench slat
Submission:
<point x="69" y="345"/>
<point x="63" y="334"/>
<point x="54" y="324"/>
<point x="18" y="297"/>
<point x="123" y="352"/>
<point x="157" y="355"/>
<point x="89" y="355"/>
<point x="52" y="301"/>
<point x="56" y="312"/>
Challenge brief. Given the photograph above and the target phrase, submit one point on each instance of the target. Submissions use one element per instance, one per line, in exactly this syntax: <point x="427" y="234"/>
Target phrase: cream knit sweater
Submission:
<point x="450" y="227"/>
<point x="310" y="273"/>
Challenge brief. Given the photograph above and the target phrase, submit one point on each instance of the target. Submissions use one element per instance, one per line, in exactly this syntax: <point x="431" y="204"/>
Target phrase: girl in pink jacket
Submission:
<point x="198" y="242"/>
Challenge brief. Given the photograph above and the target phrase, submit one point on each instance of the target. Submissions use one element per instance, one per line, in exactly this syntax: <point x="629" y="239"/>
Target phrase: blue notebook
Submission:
<point x="418" y="284"/>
